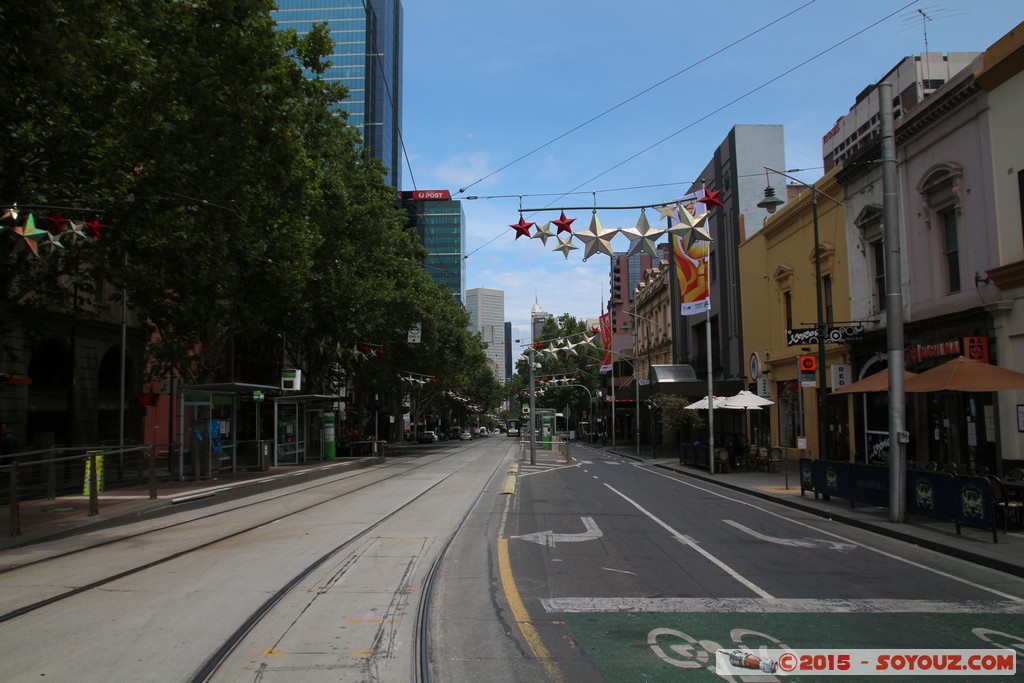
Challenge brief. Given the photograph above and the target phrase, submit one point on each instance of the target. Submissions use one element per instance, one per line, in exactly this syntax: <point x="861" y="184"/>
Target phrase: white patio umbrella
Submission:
<point x="745" y="400"/>
<point x="702" y="404"/>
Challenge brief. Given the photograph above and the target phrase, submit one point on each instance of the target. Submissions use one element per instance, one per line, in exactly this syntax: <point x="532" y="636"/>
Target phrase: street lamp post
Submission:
<point x="770" y="203"/>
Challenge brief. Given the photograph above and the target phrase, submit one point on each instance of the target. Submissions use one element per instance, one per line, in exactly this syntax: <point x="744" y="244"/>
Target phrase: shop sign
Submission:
<point x="844" y="334"/>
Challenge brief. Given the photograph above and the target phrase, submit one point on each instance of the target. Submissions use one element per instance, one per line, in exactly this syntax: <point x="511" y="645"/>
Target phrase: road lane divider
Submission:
<point x="693" y="544"/>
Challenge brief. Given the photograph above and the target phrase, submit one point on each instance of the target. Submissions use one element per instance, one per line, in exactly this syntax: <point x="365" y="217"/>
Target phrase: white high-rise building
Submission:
<point x="487" y="316"/>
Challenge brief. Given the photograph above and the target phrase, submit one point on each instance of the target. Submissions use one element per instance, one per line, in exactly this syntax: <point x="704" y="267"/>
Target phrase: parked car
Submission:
<point x="483" y="431"/>
<point x="426" y="437"/>
<point x="466" y="436"/>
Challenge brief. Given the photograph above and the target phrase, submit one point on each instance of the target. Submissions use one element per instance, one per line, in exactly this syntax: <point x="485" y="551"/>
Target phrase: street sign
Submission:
<point x="808" y="363"/>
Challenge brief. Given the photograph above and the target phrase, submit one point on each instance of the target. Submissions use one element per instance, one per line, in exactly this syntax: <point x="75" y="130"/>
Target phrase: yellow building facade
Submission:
<point x="780" y="312"/>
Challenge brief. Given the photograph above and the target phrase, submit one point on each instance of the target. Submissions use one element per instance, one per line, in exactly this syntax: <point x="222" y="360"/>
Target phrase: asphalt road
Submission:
<point x="631" y="573"/>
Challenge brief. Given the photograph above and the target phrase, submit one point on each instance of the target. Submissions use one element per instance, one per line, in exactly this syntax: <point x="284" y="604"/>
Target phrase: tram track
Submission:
<point x="421" y="655"/>
<point x="263" y="522"/>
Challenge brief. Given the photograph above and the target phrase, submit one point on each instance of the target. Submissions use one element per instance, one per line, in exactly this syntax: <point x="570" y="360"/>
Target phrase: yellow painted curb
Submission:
<point x="509" y="485"/>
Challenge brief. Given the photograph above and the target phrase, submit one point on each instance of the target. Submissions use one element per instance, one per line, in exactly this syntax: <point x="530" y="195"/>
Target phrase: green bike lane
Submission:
<point x="677" y="574"/>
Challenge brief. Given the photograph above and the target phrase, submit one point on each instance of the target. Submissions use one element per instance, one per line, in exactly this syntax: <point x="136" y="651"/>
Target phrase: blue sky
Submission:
<point x="486" y="83"/>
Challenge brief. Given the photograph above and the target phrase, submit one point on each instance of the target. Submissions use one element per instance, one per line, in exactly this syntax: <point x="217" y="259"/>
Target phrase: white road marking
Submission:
<point x="551" y="539"/>
<point x="793" y="542"/>
<point x="620" y="571"/>
<point x="693" y="544"/>
<point x="777" y="606"/>
<point x="918" y="565"/>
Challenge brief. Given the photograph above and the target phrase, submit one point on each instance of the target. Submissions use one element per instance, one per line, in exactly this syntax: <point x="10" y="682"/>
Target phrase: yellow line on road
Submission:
<point x="521" y="616"/>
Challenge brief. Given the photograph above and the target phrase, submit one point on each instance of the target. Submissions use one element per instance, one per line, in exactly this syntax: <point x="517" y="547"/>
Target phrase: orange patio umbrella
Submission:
<point x="873" y="383"/>
<point x="964" y="374"/>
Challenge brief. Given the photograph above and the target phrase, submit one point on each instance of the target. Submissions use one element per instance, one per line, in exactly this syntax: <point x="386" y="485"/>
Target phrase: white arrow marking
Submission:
<point x="794" y="542"/>
<point x="550" y="538"/>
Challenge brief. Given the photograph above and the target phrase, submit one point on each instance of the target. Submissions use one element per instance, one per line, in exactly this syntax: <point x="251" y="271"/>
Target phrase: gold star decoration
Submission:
<point x="542" y="233"/>
<point x="597" y="238"/>
<point x="565" y="245"/>
<point x="690" y="229"/>
<point x="642" y="238"/>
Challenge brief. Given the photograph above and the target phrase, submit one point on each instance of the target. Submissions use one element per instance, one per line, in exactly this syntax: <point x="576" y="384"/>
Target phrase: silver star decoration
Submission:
<point x="588" y="339"/>
<point x="667" y="210"/>
<point x="77" y="231"/>
<point x="691" y="229"/>
<point x="53" y="242"/>
<point x="569" y="349"/>
<point x="596" y="238"/>
<point x="565" y="245"/>
<point x="642" y="238"/>
<point x="543" y="232"/>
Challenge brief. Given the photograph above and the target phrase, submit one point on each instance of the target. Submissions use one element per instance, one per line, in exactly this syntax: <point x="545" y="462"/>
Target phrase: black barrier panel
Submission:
<point x="869" y="484"/>
<point x="806" y="475"/>
<point x="974" y="504"/>
<point x="931" y="494"/>
<point x="832" y="478"/>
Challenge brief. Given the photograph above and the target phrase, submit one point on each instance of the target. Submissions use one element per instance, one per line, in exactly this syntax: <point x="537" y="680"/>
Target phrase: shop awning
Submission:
<point x="682" y="380"/>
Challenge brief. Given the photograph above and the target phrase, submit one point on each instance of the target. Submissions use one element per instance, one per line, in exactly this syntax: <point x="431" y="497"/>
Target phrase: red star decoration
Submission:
<point x="563" y="224"/>
<point x="57" y="223"/>
<point x="522" y="228"/>
<point x="710" y="199"/>
<point x="96" y="227"/>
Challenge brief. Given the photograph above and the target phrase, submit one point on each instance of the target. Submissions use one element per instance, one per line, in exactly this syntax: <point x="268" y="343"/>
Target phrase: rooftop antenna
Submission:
<point x="924" y="25"/>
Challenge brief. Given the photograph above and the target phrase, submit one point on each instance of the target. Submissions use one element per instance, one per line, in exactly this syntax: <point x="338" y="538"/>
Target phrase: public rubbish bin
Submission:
<point x="265" y="455"/>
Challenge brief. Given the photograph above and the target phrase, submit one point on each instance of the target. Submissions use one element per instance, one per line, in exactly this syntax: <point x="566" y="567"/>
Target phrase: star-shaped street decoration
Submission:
<point x="30" y="232"/>
<point x="710" y="199"/>
<point x="542" y="233"/>
<point x="596" y="238"/>
<point x="522" y="228"/>
<point x="564" y="224"/>
<point x="53" y="242"/>
<point x="57" y="223"/>
<point x="96" y="227"/>
<point x="78" y="231"/>
<point x="642" y="238"/>
<point x="667" y="210"/>
<point x="691" y="229"/>
<point x="565" y="245"/>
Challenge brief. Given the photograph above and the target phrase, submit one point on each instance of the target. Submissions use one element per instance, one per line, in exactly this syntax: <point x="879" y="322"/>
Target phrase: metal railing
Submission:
<point x="47" y="474"/>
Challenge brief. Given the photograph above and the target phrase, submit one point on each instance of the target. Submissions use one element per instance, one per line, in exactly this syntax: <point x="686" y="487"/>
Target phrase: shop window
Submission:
<point x="790" y="418"/>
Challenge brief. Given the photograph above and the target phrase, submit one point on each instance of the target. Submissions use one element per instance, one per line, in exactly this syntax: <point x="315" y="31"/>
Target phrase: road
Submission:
<point x="628" y="572"/>
<point x="442" y="566"/>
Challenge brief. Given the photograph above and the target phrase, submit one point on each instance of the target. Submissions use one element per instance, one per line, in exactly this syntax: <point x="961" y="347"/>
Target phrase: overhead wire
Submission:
<point x="745" y="95"/>
<point x="637" y="95"/>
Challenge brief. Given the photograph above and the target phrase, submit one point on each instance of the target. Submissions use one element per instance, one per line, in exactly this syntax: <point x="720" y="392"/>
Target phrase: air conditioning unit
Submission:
<point x="291" y="380"/>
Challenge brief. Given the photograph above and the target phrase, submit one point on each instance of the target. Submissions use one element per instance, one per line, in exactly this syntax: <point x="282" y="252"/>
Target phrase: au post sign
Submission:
<point x="807" y="366"/>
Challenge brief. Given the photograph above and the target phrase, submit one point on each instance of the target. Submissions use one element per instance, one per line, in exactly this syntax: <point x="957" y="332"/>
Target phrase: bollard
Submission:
<point x="94" y="496"/>
<point x="15" y="510"/>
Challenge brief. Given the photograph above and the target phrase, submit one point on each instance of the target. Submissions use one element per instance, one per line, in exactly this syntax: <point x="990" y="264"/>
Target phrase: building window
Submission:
<point x="1020" y="197"/>
<point x="787" y="304"/>
<point x="951" y="249"/>
<point x="878" y="252"/>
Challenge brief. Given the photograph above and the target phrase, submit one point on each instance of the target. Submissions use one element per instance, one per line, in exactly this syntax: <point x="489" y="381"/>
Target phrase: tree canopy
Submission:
<point x="236" y="202"/>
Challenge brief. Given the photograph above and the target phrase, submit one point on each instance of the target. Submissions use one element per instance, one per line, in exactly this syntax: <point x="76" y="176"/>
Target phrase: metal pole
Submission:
<point x="822" y="374"/>
<point x="533" y="413"/>
<point x="636" y="408"/>
<point x="613" y="404"/>
<point x="711" y="393"/>
<point x="898" y="436"/>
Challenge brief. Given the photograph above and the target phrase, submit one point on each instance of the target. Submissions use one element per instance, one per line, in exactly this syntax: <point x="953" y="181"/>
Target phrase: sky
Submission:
<point x="571" y="103"/>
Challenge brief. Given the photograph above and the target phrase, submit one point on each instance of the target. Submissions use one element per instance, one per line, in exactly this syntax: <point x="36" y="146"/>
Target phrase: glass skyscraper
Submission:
<point x="367" y="60"/>
<point x="439" y="222"/>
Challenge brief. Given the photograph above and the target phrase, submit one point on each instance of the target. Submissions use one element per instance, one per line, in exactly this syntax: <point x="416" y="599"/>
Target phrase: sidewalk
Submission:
<point x="44" y="520"/>
<point x="973" y="545"/>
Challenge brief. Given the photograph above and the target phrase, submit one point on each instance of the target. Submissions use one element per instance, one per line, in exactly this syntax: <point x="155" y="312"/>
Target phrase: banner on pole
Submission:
<point x="606" y="341"/>
<point x="692" y="274"/>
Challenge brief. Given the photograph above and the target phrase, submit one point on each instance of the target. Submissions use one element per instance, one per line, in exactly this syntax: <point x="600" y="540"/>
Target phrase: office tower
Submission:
<point x="487" y="315"/>
<point x="440" y="223"/>
<point x="367" y="60"/>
